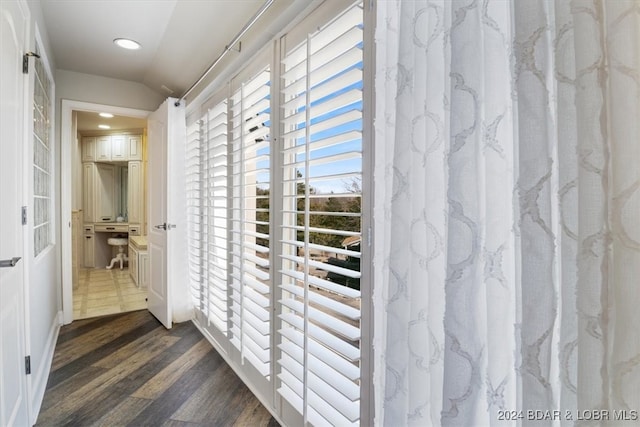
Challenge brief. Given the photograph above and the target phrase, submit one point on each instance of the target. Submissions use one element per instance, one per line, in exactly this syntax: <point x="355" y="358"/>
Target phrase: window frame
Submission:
<point x="43" y="60"/>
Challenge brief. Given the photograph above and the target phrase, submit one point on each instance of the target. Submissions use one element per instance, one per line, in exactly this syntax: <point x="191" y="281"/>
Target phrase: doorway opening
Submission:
<point x="103" y="204"/>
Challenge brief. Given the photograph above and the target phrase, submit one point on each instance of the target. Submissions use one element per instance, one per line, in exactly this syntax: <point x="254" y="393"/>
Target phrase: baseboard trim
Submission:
<point x="39" y="380"/>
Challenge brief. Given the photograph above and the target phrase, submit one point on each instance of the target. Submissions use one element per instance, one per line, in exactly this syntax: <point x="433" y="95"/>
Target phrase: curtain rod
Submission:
<point x="227" y="48"/>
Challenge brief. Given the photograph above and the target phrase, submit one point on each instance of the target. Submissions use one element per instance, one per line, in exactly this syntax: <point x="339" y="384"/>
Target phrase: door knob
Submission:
<point x="164" y="226"/>
<point x="9" y="262"/>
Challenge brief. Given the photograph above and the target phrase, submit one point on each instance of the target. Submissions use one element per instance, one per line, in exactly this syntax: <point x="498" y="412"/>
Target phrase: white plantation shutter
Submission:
<point x="207" y="210"/>
<point x="195" y="215"/>
<point x="291" y="328"/>
<point x="215" y="156"/>
<point x="319" y="338"/>
<point x="249" y="158"/>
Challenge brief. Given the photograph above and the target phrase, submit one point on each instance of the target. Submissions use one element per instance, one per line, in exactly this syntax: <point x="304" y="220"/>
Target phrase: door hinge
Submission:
<point x="25" y="61"/>
<point x="24" y="215"/>
<point x="27" y="365"/>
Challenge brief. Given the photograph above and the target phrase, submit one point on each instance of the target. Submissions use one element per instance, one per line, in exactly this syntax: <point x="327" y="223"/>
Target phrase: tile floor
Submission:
<point x="100" y="292"/>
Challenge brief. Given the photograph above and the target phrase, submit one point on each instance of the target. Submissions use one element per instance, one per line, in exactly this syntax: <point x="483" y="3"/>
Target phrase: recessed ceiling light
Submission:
<point x="106" y="115"/>
<point x="127" y="44"/>
<point x="104" y="126"/>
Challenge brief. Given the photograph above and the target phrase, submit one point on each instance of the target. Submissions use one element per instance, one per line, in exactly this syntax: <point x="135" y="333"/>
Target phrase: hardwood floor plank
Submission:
<point x="86" y="343"/>
<point x="92" y="390"/>
<point x="135" y="372"/>
<point x="255" y="415"/>
<point x="69" y="369"/>
<point x="168" y="402"/>
<point x="69" y="385"/>
<point x="131" y="350"/>
<point x="189" y="337"/>
<point x="174" y="423"/>
<point x="93" y="411"/>
<point x="80" y="327"/>
<point x="113" y="395"/>
<point x="234" y="407"/>
<point x="169" y="375"/>
<point x="123" y="413"/>
<point x="207" y="398"/>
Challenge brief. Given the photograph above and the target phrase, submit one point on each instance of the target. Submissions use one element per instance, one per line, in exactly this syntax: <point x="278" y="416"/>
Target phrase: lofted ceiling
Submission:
<point x="180" y="38"/>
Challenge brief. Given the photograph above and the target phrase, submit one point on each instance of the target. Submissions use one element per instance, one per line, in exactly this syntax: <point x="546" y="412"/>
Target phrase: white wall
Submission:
<point x="104" y="90"/>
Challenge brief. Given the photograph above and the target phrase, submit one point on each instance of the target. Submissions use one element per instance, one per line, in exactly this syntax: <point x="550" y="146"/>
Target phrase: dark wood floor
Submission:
<point x="127" y="369"/>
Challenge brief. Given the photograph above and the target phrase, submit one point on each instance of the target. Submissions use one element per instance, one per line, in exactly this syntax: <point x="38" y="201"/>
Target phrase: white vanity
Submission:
<point x="113" y="193"/>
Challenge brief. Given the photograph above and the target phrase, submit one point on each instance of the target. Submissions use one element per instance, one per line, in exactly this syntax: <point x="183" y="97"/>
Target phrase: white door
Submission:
<point x="13" y="392"/>
<point x="161" y="130"/>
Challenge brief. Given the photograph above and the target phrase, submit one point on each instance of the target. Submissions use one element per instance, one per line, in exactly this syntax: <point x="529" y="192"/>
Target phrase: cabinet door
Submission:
<point x="89" y="250"/>
<point x="89" y="149"/>
<point x="135" y="147"/>
<point x="103" y="149"/>
<point x="88" y="190"/>
<point x="119" y="148"/>
<point x="105" y="192"/>
<point x="76" y="242"/>
<point x="143" y="269"/>
<point x="133" y="264"/>
<point x="135" y="196"/>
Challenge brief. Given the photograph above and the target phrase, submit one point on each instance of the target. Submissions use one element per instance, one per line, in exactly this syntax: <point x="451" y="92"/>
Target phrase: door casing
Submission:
<point x="66" y="168"/>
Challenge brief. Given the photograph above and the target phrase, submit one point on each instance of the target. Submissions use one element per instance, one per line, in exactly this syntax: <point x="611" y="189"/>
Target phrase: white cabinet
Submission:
<point x="135" y="195"/>
<point x="135" y="147"/>
<point x="112" y="184"/>
<point x="112" y="148"/>
<point x="103" y="149"/>
<point x="139" y="260"/>
<point x="105" y="192"/>
<point x="89" y="149"/>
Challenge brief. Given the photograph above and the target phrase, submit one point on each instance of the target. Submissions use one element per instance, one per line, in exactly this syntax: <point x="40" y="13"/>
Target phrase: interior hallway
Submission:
<point x="127" y="369"/>
<point x="101" y="292"/>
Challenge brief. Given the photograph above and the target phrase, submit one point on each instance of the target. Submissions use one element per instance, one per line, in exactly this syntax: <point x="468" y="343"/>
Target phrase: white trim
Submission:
<point x="66" y="167"/>
<point x="367" y="382"/>
<point x="39" y="380"/>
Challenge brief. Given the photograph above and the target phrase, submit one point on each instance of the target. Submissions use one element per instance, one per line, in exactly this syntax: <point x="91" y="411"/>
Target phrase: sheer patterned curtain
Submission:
<point x="507" y="211"/>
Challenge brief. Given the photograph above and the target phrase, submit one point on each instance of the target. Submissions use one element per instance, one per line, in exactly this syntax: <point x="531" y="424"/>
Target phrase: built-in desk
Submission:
<point x="111" y="227"/>
<point x="97" y="252"/>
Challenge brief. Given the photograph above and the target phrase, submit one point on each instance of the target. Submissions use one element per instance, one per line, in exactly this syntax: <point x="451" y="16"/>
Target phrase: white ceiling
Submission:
<point x="89" y="121"/>
<point x="180" y="38"/>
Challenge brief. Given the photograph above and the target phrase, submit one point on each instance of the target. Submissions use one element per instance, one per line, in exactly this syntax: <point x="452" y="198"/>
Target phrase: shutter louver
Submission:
<point x="319" y="335"/>
<point x="249" y="160"/>
<point x="206" y="176"/>
<point x="215" y="199"/>
<point x="195" y="216"/>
